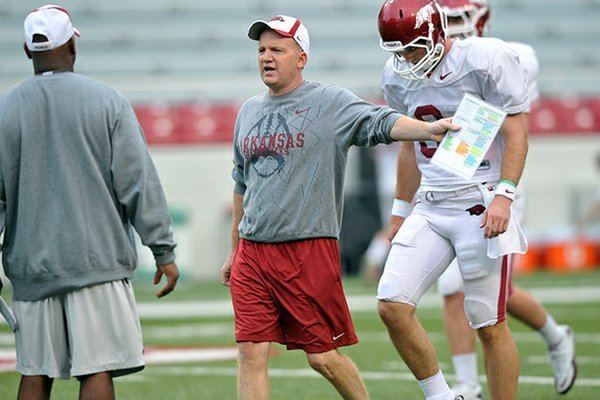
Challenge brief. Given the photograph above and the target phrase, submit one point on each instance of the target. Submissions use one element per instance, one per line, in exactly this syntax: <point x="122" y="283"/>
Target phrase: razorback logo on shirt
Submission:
<point x="268" y="142"/>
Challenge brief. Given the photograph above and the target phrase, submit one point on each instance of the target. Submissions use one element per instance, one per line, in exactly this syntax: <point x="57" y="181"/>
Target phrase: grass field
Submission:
<point x="572" y="299"/>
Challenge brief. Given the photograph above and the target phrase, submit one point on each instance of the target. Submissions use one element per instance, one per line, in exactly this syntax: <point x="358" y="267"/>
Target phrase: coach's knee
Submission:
<point x="253" y="355"/>
<point x="395" y="314"/>
<point x="323" y="363"/>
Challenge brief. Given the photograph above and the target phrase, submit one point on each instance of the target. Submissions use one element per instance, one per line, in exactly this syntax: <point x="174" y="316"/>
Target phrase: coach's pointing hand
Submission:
<point x="172" y="274"/>
<point x="438" y="129"/>
<point x="408" y="129"/>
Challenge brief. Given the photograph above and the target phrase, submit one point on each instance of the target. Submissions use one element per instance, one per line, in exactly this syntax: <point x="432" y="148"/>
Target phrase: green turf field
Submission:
<point x="571" y="299"/>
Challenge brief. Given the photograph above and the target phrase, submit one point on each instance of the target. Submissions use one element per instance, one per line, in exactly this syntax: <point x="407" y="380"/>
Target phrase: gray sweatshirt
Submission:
<point x="75" y="176"/>
<point x="290" y="157"/>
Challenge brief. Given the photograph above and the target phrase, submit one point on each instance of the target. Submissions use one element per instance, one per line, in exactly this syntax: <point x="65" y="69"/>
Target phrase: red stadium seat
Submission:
<point x="204" y="123"/>
<point x="565" y="116"/>
<point x="157" y="122"/>
<point x="198" y="123"/>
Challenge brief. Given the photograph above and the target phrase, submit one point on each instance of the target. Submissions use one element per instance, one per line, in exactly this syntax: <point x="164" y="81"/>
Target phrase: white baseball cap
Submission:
<point x="51" y="21"/>
<point x="284" y="25"/>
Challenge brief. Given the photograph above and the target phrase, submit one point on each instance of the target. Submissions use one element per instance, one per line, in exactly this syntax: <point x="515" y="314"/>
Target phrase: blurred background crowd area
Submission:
<point x="187" y="65"/>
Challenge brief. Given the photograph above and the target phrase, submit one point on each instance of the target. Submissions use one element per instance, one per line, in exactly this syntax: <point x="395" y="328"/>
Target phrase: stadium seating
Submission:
<point x="197" y="50"/>
<point x="204" y="123"/>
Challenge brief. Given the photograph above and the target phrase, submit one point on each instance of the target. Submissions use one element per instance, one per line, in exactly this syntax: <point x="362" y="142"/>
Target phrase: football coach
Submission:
<point x="290" y="149"/>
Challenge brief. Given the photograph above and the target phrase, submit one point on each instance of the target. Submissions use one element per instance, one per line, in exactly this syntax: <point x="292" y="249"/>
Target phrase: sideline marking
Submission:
<point x="560" y="295"/>
<point x="367" y="375"/>
<point x="152" y="356"/>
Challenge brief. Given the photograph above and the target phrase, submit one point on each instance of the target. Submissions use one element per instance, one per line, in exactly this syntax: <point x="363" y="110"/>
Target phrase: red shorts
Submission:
<point x="291" y="293"/>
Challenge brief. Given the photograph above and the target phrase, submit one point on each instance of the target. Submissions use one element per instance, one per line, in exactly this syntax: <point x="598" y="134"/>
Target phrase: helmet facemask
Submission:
<point x="470" y="17"/>
<point x="424" y="66"/>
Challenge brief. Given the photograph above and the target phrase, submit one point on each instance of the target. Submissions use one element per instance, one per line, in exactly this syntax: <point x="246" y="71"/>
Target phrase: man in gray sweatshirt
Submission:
<point x="290" y="150"/>
<point x="75" y="178"/>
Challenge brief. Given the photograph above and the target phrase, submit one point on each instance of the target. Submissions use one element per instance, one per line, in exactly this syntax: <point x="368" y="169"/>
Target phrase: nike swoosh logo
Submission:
<point x="338" y="336"/>
<point x="509" y="192"/>
<point x="298" y="112"/>
<point x="442" y="77"/>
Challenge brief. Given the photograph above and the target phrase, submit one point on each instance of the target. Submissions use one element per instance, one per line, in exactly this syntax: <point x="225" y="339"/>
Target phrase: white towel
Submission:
<point x="512" y="241"/>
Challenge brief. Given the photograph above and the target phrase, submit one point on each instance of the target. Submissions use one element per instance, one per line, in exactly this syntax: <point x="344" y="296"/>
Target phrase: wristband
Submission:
<point x="509" y="182"/>
<point x="507" y="189"/>
<point x="401" y="208"/>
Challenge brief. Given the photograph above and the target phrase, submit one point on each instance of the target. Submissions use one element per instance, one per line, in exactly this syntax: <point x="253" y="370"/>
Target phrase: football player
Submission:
<point x="427" y="77"/>
<point x="468" y="18"/>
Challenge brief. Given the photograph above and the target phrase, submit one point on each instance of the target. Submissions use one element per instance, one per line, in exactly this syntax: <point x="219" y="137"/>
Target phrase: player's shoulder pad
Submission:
<point x="522" y="49"/>
<point x="483" y="53"/>
<point x="388" y="70"/>
<point x="527" y="55"/>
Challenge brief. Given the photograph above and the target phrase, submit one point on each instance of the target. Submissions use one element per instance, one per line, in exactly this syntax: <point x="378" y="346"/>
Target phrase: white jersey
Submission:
<point x="484" y="67"/>
<point x="529" y="61"/>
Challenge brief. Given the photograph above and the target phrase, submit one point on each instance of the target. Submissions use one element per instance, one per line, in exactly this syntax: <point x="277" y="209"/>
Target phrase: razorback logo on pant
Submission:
<point x="476" y="210"/>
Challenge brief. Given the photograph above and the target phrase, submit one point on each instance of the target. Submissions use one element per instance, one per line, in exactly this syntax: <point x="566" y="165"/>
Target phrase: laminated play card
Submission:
<point x="461" y="152"/>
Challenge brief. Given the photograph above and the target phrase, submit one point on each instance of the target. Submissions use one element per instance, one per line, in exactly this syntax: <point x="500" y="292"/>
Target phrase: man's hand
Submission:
<point x="172" y="274"/>
<point x="226" y="268"/>
<point x="438" y="129"/>
<point x="395" y="224"/>
<point x="496" y="217"/>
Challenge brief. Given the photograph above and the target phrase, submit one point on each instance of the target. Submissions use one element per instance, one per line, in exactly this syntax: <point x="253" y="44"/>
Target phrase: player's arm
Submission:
<point x="514" y="132"/>
<point x="408" y="180"/>
<point x="408" y="129"/>
<point x="237" y="215"/>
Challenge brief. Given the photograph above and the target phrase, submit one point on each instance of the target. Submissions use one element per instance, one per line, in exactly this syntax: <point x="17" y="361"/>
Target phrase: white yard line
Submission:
<point x="152" y="356"/>
<point x="358" y="303"/>
<point x="181" y="331"/>
<point x="220" y="330"/>
<point x="581" y="360"/>
<point x="520" y="337"/>
<point x="367" y="375"/>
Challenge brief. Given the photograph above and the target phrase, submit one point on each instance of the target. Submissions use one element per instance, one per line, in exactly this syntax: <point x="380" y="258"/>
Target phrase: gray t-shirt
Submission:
<point x="75" y="176"/>
<point x="290" y="156"/>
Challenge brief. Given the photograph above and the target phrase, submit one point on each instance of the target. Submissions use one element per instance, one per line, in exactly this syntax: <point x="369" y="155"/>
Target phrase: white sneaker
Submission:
<point x="562" y="357"/>
<point x="465" y="391"/>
